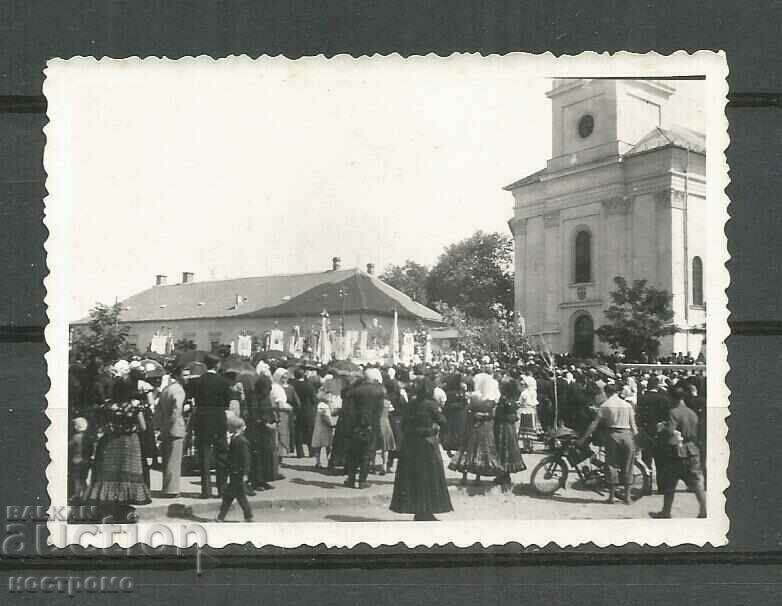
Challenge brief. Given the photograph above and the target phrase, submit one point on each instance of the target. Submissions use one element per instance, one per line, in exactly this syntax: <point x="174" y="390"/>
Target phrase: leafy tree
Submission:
<point x="410" y="278"/>
<point x="104" y="339"/>
<point x="474" y="275"/>
<point x="638" y="317"/>
<point x="501" y="335"/>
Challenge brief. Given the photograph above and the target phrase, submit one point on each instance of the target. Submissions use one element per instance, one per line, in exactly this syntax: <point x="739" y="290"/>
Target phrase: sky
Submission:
<point x="275" y="167"/>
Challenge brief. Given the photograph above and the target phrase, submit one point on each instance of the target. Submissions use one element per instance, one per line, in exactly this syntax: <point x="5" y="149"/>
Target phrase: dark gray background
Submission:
<point x="744" y="572"/>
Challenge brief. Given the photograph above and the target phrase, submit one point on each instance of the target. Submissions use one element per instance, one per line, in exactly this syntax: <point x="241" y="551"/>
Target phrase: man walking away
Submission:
<point x="367" y="399"/>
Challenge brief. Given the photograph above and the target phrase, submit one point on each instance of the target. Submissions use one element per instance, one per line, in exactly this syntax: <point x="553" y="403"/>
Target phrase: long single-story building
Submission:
<point x="276" y="310"/>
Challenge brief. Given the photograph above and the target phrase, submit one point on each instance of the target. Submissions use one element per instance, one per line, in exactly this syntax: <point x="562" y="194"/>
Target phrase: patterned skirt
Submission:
<point x="479" y="454"/>
<point x="529" y="424"/>
<point x="119" y="476"/>
<point x="508" y="452"/>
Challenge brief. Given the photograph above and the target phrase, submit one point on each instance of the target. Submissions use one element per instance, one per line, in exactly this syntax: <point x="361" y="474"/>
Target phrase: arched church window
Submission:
<point x="697" y="281"/>
<point x="583" y="260"/>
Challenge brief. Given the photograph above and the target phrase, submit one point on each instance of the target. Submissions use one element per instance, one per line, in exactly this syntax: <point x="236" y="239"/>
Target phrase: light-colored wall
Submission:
<point x="230" y="328"/>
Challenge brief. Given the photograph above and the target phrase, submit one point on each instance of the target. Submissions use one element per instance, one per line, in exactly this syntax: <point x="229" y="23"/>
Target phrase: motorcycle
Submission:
<point x="588" y="461"/>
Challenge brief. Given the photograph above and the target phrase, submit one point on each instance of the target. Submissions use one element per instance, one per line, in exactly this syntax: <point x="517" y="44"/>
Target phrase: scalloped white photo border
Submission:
<point x="564" y="533"/>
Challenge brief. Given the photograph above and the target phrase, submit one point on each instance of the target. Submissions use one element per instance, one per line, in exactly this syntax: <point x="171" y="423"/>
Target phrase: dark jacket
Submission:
<point x="653" y="408"/>
<point x="367" y="407"/>
<point x="212" y="394"/>
<point x="238" y="458"/>
<point x="307" y="396"/>
<point x="684" y="420"/>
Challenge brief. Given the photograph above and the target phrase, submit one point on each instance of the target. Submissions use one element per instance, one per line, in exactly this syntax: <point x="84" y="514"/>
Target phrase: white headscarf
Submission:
<point x="373" y="374"/>
<point x="277" y="395"/>
<point x="486" y="387"/>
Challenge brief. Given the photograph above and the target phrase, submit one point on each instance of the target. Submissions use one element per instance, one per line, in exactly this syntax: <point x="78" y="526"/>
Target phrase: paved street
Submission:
<point x="307" y="495"/>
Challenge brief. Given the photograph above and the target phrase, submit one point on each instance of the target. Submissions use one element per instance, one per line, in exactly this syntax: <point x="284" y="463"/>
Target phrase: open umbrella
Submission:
<point x="604" y="370"/>
<point x="190" y="355"/>
<point x="271" y="354"/>
<point x="237" y="364"/>
<point x="152" y="368"/>
<point x="191" y="370"/>
<point x="346" y="366"/>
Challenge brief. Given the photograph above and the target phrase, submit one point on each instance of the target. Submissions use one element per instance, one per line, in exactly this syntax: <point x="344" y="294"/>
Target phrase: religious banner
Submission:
<point x="244" y="345"/>
<point x="159" y="343"/>
<point x="277" y="340"/>
<point x="408" y="347"/>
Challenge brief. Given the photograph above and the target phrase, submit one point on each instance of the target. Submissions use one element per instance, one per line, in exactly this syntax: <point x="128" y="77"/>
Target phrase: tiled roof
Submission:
<point x="217" y="298"/>
<point x="362" y="293"/>
<point x="673" y="137"/>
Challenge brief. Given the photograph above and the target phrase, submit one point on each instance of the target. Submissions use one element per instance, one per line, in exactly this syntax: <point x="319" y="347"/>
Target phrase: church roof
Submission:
<point x="671" y="137"/>
<point x="533" y="178"/>
<point x="270" y="296"/>
<point x="658" y="138"/>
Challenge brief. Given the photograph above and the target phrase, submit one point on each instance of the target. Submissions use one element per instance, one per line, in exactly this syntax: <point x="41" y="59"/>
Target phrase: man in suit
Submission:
<point x="653" y="408"/>
<point x="170" y="418"/>
<point x="367" y="398"/>
<point x="305" y="419"/>
<point x="238" y="471"/>
<point x="212" y="395"/>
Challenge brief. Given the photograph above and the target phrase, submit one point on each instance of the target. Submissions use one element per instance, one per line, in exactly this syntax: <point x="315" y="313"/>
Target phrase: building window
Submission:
<point x="583" y="257"/>
<point x="697" y="281"/>
<point x="215" y="340"/>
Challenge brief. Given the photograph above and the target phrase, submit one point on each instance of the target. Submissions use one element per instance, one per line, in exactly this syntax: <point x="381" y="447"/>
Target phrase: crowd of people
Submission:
<point x="481" y="417"/>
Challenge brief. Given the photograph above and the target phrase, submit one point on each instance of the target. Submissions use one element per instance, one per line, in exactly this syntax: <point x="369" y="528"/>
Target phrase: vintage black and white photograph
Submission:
<point x="429" y="299"/>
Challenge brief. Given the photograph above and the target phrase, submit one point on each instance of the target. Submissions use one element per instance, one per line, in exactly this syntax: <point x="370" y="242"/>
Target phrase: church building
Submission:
<point x="624" y="194"/>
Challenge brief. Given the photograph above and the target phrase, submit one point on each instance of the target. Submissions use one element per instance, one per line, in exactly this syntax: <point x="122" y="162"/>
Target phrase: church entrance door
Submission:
<point x="583" y="336"/>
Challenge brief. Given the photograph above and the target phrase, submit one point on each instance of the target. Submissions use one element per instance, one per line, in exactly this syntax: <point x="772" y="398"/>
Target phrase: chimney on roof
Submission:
<point x="336" y="263"/>
<point x="371" y="269"/>
<point x="161" y="279"/>
<point x="188" y="277"/>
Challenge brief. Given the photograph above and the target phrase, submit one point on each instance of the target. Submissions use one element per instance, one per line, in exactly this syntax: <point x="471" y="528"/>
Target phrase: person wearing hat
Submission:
<point x="617" y="417"/>
<point x="653" y="407"/>
<point x="170" y="413"/>
<point x="367" y="406"/>
<point x="212" y="393"/>
<point x="238" y="470"/>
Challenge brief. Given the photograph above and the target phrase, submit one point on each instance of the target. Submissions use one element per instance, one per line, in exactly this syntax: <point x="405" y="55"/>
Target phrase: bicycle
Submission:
<point x="551" y="473"/>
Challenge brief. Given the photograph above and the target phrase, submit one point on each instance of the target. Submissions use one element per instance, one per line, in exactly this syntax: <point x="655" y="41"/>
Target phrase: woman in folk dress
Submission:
<point x="478" y="454"/>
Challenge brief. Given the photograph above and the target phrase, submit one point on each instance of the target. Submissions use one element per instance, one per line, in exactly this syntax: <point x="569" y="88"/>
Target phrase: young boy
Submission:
<point x="238" y="470"/>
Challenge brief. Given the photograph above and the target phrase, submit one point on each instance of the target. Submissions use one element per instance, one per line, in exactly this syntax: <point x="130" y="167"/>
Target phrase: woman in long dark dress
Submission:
<point x="118" y="481"/>
<point x="455" y="411"/>
<point x="505" y="418"/>
<point x="263" y="429"/>
<point x="419" y="486"/>
<point x="339" y="446"/>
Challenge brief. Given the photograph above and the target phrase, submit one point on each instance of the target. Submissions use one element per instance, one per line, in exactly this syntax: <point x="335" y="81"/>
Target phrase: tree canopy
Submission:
<point x="636" y="320"/>
<point x="410" y="278"/>
<point x="474" y="275"/>
<point x="104" y="339"/>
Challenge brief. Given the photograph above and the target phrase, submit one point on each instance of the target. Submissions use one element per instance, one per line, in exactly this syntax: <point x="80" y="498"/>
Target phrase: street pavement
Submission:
<point x="310" y="495"/>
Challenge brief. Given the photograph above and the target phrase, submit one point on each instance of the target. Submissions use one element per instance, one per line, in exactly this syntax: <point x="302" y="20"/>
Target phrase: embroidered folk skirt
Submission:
<point x="479" y="454"/>
<point x="508" y="453"/>
<point x="119" y="475"/>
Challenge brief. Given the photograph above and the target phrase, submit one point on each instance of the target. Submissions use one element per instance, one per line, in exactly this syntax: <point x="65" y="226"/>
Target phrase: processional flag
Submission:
<point x="395" y="339"/>
<point x="324" y="345"/>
